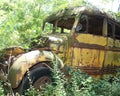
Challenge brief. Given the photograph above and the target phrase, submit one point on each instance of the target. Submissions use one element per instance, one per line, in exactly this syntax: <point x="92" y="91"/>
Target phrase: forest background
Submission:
<point x="21" y="20"/>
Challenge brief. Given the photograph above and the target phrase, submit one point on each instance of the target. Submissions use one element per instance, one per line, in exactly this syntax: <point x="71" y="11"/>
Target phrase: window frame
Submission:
<point x="112" y="23"/>
<point x="88" y="23"/>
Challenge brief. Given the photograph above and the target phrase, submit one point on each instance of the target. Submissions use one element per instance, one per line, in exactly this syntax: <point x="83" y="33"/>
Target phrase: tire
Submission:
<point x="39" y="76"/>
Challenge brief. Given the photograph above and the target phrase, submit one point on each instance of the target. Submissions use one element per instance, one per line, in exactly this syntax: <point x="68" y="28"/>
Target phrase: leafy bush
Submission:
<point x="108" y="86"/>
<point x="80" y="84"/>
<point x="32" y="92"/>
<point x="1" y="89"/>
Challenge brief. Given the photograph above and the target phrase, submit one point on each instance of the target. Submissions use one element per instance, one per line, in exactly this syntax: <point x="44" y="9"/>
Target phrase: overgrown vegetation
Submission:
<point x="1" y="89"/>
<point x="79" y="84"/>
<point x="20" y="21"/>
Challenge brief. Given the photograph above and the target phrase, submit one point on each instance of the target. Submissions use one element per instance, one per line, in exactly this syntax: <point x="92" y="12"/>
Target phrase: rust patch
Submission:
<point x="91" y="70"/>
<point x="110" y="69"/>
<point x="94" y="46"/>
<point x="99" y="71"/>
<point x="13" y="51"/>
<point x="89" y="46"/>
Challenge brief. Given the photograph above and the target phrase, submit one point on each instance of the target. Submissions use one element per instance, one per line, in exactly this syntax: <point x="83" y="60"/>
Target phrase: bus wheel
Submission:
<point x="37" y="77"/>
<point x="41" y="82"/>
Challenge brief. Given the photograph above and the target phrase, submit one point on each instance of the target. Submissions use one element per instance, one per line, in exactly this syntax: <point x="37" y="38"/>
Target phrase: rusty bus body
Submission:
<point x="81" y="37"/>
<point x="93" y="43"/>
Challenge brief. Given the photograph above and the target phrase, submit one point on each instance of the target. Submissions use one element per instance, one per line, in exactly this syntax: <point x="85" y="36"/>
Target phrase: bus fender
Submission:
<point x="25" y="62"/>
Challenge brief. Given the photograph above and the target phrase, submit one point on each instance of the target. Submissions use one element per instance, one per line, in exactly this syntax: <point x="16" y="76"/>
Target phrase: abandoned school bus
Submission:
<point x="87" y="39"/>
<point x="81" y="37"/>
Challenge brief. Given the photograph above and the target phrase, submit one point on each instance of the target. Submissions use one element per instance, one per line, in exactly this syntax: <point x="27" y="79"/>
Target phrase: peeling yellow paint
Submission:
<point x="87" y="57"/>
<point x="25" y="61"/>
<point x="92" y="39"/>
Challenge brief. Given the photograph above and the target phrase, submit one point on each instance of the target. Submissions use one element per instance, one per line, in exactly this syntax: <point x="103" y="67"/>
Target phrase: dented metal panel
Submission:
<point x="88" y="54"/>
<point x="26" y="61"/>
<point x="13" y="51"/>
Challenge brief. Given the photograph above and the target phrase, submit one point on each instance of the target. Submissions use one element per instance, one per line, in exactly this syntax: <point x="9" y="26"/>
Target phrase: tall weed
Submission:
<point x="1" y="89"/>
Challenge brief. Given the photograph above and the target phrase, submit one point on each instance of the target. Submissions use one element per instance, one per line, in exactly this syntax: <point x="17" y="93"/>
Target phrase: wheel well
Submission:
<point x="46" y="64"/>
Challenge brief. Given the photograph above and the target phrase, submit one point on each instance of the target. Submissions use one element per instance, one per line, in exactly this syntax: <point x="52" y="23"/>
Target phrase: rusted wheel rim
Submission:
<point x="41" y="82"/>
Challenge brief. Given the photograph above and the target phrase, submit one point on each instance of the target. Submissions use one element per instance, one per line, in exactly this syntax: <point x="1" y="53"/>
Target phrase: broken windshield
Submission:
<point x="59" y="26"/>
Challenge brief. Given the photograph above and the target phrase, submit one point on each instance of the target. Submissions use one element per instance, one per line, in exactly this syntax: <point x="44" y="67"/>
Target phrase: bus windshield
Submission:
<point x="59" y="26"/>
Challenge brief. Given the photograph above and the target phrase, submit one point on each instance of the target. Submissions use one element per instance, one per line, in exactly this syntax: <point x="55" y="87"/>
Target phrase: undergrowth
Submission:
<point x="1" y="89"/>
<point x="79" y="84"/>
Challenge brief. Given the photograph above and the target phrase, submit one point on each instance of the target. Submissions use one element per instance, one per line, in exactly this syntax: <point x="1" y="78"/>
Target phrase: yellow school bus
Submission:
<point x="90" y="39"/>
<point x="81" y="37"/>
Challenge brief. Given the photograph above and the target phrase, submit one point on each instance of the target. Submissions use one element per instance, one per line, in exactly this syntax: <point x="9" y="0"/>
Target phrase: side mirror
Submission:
<point x="78" y="28"/>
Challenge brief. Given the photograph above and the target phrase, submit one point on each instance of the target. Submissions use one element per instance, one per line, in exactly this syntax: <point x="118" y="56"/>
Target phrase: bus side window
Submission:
<point x="82" y="25"/>
<point x="110" y="29"/>
<point x="95" y="25"/>
<point x="90" y="24"/>
<point x="117" y="31"/>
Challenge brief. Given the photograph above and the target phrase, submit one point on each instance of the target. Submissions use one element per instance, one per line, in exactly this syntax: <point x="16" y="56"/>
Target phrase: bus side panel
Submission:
<point x="116" y="60"/>
<point x="88" y="60"/>
<point x="88" y="53"/>
<point x="112" y="58"/>
<point x="112" y="62"/>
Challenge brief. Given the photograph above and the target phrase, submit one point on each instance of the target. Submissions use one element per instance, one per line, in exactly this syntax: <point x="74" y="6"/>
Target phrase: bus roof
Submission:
<point x="71" y="12"/>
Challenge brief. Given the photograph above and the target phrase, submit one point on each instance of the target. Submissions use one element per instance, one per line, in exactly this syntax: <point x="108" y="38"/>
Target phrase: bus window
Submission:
<point x="91" y="24"/>
<point x="110" y="29"/>
<point x="117" y="32"/>
<point x="95" y="25"/>
<point x="82" y="25"/>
